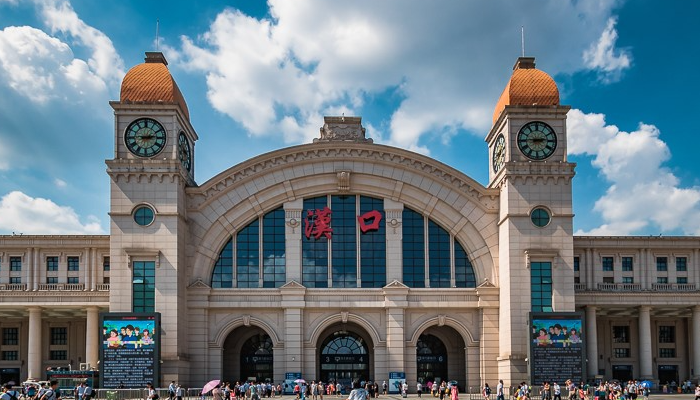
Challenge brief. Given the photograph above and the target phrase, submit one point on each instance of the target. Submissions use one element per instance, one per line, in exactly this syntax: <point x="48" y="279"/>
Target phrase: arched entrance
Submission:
<point x="247" y="354"/>
<point x="344" y="355"/>
<point x="440" y="356"/>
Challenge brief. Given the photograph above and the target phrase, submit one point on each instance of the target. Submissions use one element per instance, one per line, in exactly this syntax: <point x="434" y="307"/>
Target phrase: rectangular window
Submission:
<point x="681" y="280"/>
<point x="144" y="286"/>
<point x="608" y="264"/>
<point x="622" y="353"/>
<point x="627" y="264"/>
<point x="105" y="263"/>
<point x="438" y="256"/>
<point x="667" y="352"/>
<point x="59" y="336"/>
<point x="608" y="279"/>
<point x="52" y="263"/>
<point x="621" y="334"/>
<point x="248" y="255"/>
<point x="541" y="283"/>
<point x="344" y="243"/>
<point x="662" y="263"/>
<point x="662" y="279"/>
<point x="667" y="334"/>
<point x="577" y="279"/>
<point x="73" y="280"/>
<point x="51" y="280"/>
<point x="314" y="260"/>
<point x="10" y="336"/>
<point x="627" y="279"/>
<point x="58" y="355"/>
<point x="15" y="263"/>
<point x="413" y="228"/>
<point x="577" y="265"/>
<point x="681" y="264"/>
<point x="15" y="280"/>
<point x="73" y="264"/>
<point x="373" y="246"/>
<point x="9" y="355"/>
<point x="105" y="280"/>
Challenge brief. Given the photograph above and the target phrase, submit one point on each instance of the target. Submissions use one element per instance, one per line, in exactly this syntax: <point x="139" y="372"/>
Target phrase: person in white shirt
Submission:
<point x="499" y="390"/>
<point x="9" y="394"/>
<point x="419" y="389"/>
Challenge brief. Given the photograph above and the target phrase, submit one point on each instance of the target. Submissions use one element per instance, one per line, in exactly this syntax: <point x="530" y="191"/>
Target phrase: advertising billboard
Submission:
<point x="557" y="347"/>
<point x="130" y="350"/>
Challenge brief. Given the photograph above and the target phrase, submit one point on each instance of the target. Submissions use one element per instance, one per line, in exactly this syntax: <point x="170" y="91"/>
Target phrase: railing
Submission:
<point x="14" y="286"/>
<point x="69" y="287"/>
<point x="619" y="287"/>
<point x="673" y="287"/>
<point x="578" y="287"/>
<point x="102" y="287"/>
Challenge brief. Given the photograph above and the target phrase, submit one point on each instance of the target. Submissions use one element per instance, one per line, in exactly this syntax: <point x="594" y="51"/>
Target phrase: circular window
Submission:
<point x="144" y="215"/>
<point x="540" y="217"/>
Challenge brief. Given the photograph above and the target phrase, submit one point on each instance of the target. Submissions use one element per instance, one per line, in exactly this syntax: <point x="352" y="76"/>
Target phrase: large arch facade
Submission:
<point x="297" y="316"/>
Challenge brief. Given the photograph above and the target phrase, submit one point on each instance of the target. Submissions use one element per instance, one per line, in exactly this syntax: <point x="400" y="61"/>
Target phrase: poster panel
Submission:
<point x="557" y="347"/>
<point x="130" y="350"/>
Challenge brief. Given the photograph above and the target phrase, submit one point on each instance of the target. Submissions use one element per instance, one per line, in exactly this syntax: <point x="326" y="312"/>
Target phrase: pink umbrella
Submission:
<point x="210" y="385"/>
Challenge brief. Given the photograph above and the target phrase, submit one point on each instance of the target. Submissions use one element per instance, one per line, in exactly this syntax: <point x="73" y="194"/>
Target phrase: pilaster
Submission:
<point x="645" y="350"/>
<point x="34" y="344"/>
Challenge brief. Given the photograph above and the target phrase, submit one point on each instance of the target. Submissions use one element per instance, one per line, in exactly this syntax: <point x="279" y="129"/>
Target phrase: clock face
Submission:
<point x="145" y="137"/>
<point x="537" y="140"/>
<point x="499" y="153"/>
<point x="183" y="151"/>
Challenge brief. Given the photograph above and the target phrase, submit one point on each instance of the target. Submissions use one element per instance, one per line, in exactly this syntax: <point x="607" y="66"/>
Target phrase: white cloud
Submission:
<point x="312" y="57"/>
<point x="643" y="193"/>
<point x="29" y="215"/>
<point x="60" y="183"/>
<point x="42" y="68"/>
<point x="605" y="58"/>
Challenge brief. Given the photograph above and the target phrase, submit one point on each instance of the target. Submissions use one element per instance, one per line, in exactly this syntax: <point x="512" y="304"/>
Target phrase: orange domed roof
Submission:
<point x="151" y="82"/>
<point x="527" y="86"/>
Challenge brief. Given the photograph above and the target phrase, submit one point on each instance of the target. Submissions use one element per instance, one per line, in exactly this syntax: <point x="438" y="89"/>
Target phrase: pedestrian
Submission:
<point x="486" y="391"/>
<point x="499" y="391"/>
<point x="419" y="389"/>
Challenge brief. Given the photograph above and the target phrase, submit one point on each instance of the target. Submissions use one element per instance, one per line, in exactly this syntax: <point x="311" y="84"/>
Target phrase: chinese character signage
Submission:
<point x="369" y="221"/>
<point x="318" y="223"/>
<point x="130" y="351"/>
<point x="557" y="351"/>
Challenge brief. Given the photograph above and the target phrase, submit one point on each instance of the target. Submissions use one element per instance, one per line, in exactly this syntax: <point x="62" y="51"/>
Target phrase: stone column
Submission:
<point x="92" y="337"/>
<point x="696" y="341"/>
<point x="36" y="268"/>
<point x="591" y="341"/>
<point x="34" y="369"/>
<point x="396" y="301"/>
<point x="645" y="350"/>
<point x="87" y="264"/>
<point x="293" y="229"/>
<point x="394" y="240"/>
<point x="590" y="265"/>
<point x="28" y="260"/>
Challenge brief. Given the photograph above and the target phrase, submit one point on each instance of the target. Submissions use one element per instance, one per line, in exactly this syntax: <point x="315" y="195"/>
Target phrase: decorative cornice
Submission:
<point x="310" y="153"/>
<point x="198" y="284"/>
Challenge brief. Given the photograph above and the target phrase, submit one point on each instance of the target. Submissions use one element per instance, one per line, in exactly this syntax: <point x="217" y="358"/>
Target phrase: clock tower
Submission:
<point x="528" y="164"/>
<point x="152" y="165"/>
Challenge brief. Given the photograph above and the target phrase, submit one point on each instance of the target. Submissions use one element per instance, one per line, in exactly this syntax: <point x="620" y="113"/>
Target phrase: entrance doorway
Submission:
<point x="668" y="374"/>
<point x="622" y="373"/>
<point x="344" y="358"/>
<point x="431" y="359"/>
<point x="248" y="355"/>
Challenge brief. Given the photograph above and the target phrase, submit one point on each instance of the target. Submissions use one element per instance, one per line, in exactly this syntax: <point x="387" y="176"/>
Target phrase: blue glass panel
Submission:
<point x="274" y="249"/>
<point x="247" y="257"/>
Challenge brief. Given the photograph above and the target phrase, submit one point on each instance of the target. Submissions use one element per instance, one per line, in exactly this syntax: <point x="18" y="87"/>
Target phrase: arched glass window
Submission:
<point x="357" y="245"/>
<point x="266" y="233"/>
<point x="445" y="256"/>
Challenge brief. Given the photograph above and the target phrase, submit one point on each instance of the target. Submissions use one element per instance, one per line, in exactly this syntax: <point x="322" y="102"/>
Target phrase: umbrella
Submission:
<point x="646" y="384"/>
<point x="210" y="385"/>
<point x="453" y="383"/>
<point x="299" y="381"/>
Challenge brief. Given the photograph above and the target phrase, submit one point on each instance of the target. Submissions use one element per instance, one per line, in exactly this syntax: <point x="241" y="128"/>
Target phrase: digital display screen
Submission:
<point x="557" y="348"/>
<point x="130" y="350"/>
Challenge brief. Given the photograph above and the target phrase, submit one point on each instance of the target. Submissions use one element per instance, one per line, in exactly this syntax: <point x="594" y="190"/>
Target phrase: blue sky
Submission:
<point x="424" y="75"/>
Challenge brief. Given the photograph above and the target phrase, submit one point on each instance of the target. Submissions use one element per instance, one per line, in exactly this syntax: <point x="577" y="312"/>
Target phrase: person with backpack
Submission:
<point x="8" y="393"/>
<point x="358" y="392"/>
<point x="51" y="393"/>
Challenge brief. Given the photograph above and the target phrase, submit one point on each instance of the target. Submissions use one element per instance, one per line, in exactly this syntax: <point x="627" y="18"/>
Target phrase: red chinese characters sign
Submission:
<point x="369" y="221"/>
<point x="318" y="222"/>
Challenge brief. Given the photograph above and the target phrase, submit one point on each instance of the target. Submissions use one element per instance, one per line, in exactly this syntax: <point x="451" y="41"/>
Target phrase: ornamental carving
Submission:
<point x="342" y="129"/>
